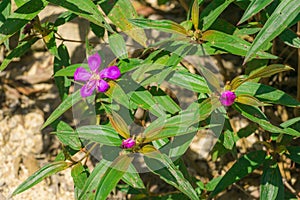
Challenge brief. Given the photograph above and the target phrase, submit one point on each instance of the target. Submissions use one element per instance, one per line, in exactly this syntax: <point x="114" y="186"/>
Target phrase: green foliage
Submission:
<point x="144" y="94"/>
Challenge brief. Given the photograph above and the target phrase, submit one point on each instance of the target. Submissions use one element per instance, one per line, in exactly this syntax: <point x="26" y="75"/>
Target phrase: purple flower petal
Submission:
<point x="112" y="72"/>
<point x="128" y="143"/>
<point x="227" y="98"/>
<point x="88" y="88"/>
<point x="102" y="85"/>
<point x="82" y="74"/>
<point x="94" y="62"/>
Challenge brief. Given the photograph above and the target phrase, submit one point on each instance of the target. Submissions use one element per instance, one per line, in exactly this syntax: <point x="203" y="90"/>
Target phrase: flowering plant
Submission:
<point x="130" y="115"/>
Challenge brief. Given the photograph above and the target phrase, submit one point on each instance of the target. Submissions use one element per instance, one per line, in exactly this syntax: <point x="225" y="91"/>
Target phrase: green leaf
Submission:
<point x="63" y="107"/>
<point x="290" y="38"/>
<point x="262" y="72"/>
<point x="102" y="134"/>
<point x="161" y="25"/>
<point x="20" y="17"/>
<point x="195" y="14"/>
<point x="212" y="12"/>
<point x="254" y="7"/>
<point x="64" y="18"/>
<point x="86" y="9"/>
<point x="132" y="178"/>
<point x="79" y="174"/>
<point x="116" y="93"/>
<point x="62" y="59"/>
<point x="112" y="176"/>
<point x="256" y="115"/>
<point x="188" y="81"/>
<point x="42" y="173"/>
<point x="67" y="135"/>
<point x="118" y="46"/>
<point x="294" y="153"/>
<point x="248" y="100"/>
<point x="70" y="70"/>
<point x="118" y="123"/>
<point x="89" y="189"/>
<point x="243" y="166"/>
<point x="119" y="11"/>
<point x="19" y="3"/>
<point x="232" y="44"/>
<point x="163" y="166"/>
<point x="5" y="10"/>
<point x="266" y="94"/>
<point x="22" y="48"/>
<point x="144" y="99"/>
<point x="280" y="19"/>
<point x="271" y="184"/>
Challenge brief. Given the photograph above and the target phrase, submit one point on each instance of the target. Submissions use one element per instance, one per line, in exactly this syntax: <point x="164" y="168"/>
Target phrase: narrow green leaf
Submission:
<point x="268" y="71"/>
<point x="116" y="93"/>
<point x="244" y="166"/>
<point x="86" y="9"/>
<point x="67" y="135"/>
<point x="248" y="100"/>
<point x="63" y="107"/>
<point x="89" y="189"/>
<point x="212" y="12"/>
<point x="22" y="48"/>
<point x="20" y="17"/>
<point x="118" y="46"/>
<point x="271" y="184"/>
<point x="254" y="7"/>
<point x="163" y="166"/>
<point x="102" y="134"/>
<point x="70" y="70"/>
<point x="115" y="11"/>
<point x="112" y="176"/>
<point x="5" y="10"/>
<point x="256" y="115"/>
<point x="62" y="59"/>
<point x="280" y="19"/>
<point x="189" y="81"/>
<point x="262" y="72"/>
<point x="145" y="100"/>
<point x="118" y="123"/>
<point x="266" y="94"/>
<point x="290" y="38"/>
<point x="232" y="44"/>
<point x="132" y="178"/>
<point x="42" y="173"/>
<point x="161" y="25"/>
<point x="79" y="174"/>
<point x="195" y="14"/>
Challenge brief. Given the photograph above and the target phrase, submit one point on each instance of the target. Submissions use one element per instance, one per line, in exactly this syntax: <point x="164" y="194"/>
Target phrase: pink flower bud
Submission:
<point x="128" y="143"/>
<point x="227" y="98"/>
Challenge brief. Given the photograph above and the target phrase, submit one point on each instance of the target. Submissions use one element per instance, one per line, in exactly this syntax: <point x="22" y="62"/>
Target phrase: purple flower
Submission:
<point x="95" y="79"/>
<point x="227" y="98"/>
<point x="128" y="143"/>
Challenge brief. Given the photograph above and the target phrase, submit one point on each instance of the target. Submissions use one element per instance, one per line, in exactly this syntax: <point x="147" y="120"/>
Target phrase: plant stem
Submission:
<point x="298" y="79"/>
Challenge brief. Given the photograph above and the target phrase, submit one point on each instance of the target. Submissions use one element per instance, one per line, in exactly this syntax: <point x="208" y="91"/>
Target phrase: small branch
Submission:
<point x="298" y="81"/>
<point x="290" y="188"/>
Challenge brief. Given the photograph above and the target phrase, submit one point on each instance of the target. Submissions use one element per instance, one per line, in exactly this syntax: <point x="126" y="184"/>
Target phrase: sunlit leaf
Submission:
<point x="42" y="173"/>
<point x="254" y="7"/>
<point x="20" y="17"/>
<point x="163" y="166"/>
<point x="112" y="176"/>
<point x="280" y="19"/>
<point x="212" y="12"/>
<point x="162" y="25"/>
<point x="63" y="107"/>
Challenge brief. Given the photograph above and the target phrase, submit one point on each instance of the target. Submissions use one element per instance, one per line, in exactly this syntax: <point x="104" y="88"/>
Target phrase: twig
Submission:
<point x="288" y="186"/>
<point x="298" y="81"/>
<point x="243" y="190"/>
